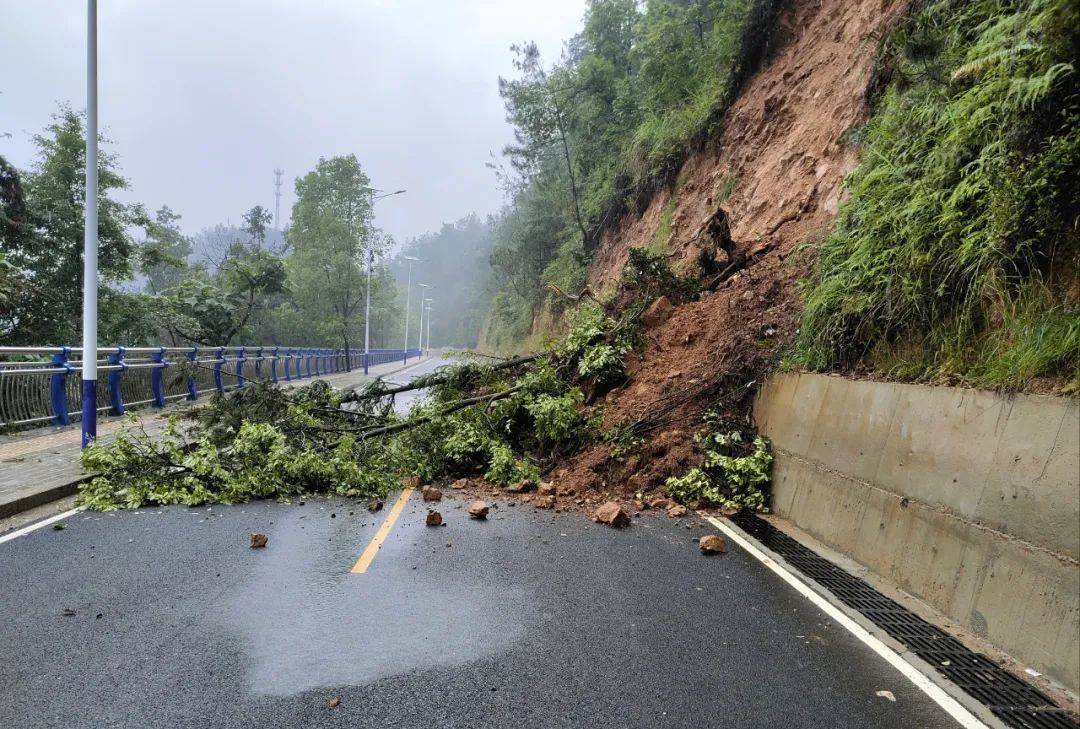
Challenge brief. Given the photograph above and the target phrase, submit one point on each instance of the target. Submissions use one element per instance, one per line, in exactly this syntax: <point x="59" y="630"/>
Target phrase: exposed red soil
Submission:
<point x="782" y="160"/>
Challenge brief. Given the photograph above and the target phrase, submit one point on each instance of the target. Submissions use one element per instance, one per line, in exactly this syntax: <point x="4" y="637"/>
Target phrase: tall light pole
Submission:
<point x="90" y="237"/>
<point x="367" y="294"/>
<point x="408" y="302"/>
<point x="427" y="308"/>
<point x="420" y="344"/>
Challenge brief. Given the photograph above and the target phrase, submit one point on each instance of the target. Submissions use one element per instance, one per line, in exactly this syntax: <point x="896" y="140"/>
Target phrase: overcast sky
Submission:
<point x="204" y="98"/>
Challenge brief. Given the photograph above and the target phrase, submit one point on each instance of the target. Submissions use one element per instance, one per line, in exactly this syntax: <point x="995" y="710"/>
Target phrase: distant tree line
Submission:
<point x="228" y="285"/>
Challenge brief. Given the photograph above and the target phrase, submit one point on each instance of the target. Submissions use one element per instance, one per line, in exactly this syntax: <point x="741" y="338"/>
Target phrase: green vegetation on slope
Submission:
<point x="956" y="254"/>
<point x="604" y="128"/>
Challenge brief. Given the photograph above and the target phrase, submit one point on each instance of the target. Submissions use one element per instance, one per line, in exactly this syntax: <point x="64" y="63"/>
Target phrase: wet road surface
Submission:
<point x="530" y="619"/>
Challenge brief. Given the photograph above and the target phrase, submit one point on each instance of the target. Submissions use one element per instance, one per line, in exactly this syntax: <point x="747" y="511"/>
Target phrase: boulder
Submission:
<point x="430" y="493"/>
<point x="258" y="541"/>
<point x="676" y="511"/>
<point x="478" y="510"/>
<point x="612" y="514"/>
<point x="712" y="544"/>
<point x="434" y="518"/>
<point x="521" y="486"/>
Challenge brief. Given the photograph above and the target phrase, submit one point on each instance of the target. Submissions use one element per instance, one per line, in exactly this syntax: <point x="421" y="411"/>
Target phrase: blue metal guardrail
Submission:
<point x="36" y="383"/>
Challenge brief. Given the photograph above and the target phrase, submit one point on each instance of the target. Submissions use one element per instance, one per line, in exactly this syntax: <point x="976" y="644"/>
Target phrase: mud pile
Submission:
<point x="776" y="172"/>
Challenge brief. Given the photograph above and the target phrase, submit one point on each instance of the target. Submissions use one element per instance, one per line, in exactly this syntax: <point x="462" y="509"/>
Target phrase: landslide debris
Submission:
<point x="612" y="514"/>
<point x="712" y="544"/>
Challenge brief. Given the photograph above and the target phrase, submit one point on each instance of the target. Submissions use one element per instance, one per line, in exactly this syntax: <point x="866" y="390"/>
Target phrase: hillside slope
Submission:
<point x="776" y="173"/>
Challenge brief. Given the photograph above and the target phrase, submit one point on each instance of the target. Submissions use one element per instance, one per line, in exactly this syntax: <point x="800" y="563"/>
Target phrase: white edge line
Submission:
<point x="936" y="693"/>
<point x="38" y="524"/>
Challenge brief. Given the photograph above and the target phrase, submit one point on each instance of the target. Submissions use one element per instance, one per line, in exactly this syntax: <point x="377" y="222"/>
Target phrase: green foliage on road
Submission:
<point x="263" y="441"/>
<point x="957" y="252"/>
<point x="734" y="472"/>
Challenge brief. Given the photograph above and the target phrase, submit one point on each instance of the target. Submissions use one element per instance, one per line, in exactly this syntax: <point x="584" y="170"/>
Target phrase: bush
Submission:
<point x="734" y="473"/>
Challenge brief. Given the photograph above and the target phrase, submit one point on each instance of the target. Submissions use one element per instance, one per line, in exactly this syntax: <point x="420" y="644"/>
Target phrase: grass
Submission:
<point x="956" y="252"/>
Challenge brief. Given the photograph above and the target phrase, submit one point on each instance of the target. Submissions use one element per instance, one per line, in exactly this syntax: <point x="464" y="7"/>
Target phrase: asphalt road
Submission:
<point x="530" y="619"/>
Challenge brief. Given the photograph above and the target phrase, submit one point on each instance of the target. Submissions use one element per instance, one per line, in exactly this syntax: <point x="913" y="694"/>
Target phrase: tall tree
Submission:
<point x="256" y="222"/>
<point x="14" y="229"/>
<point x="52" y="252"/>
<point x="331" y="235"/>
<point x="165" y="252"/>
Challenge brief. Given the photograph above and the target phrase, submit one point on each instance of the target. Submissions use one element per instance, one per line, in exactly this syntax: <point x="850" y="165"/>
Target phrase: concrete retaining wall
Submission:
<point x="966" y="499"/>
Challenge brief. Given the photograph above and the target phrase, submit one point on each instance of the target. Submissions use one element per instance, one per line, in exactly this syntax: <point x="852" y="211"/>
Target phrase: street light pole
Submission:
<point x="367" y="308"/>
<point x="90" y="237"/>
<point x="408" y="302"/>
<point x="420" y="343"/>
<point x="428" y="310"/>
<point x="367" y="294"/>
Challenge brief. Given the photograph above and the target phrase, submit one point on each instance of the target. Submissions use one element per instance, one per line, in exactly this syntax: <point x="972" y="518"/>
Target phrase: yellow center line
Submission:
<point x="376" y="542"/>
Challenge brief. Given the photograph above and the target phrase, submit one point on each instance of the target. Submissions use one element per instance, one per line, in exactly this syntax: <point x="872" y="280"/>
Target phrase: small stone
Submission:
<point x="375" y="504"/>
<point x="612" y="514"/>
<point x="68" y="612"/>
<point x="478" y="510"/>
<point x="546" y="489"/>
<point x="59" y="526"/>
<point x="434" y="518"/>
<point x="430" y="493"/>
<point x="521" y="486"/>
<point x="712" y="544"/>
<point x="676" y="511"/>
<point x="412" y="482"/>
<point x="258" y="541"/>
<point x="660" y="503"/>
<point x="334" y="702"/>
<point x="460" y="483"/>
<point x="640" y="505"/>
<point x="545" y="502"/>
<point x="695" y="505"/>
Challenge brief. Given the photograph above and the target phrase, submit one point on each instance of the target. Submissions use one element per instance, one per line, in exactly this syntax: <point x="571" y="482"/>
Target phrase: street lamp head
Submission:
<point x="414" y="259"/>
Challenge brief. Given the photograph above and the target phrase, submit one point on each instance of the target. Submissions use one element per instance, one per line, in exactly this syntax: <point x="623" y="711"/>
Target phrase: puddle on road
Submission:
<point x="307" y="623"/>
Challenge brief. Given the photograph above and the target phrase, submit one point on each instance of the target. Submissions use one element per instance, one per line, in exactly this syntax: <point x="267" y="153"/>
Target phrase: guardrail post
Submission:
<point x="298" y="360"/>
<point x="240" y="360"/>
<point x="258" y="363"/>
<point x="58" y="389"/>
<point x="192" y="385"/>
<point x="288" y="364"/>
<point x="273" y="365"/>
<point x="310" y="356"/>
<point x="157" y="377"/>
<point x="116" y="397"/>
<point x="219" y="359"/>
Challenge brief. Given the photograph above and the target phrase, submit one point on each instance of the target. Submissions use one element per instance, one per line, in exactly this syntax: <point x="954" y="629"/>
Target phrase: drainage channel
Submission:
<point x="1014" y="702"/>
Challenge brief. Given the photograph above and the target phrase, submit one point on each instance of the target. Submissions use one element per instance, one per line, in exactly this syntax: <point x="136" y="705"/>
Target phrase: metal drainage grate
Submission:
<point x="1008" y="698"/>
